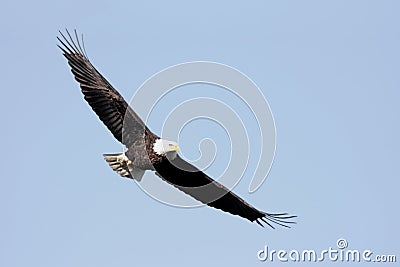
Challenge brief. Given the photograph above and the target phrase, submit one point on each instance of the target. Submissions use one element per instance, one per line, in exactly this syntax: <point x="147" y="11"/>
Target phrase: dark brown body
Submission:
<point x="139" y="155"/>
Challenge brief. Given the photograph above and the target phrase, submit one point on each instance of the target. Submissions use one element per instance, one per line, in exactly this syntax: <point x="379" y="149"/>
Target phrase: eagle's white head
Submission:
<point x="166" y="148"/>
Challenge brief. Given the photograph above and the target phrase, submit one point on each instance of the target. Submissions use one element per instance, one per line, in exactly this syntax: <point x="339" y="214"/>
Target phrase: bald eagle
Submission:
<point x="147" y="151"/>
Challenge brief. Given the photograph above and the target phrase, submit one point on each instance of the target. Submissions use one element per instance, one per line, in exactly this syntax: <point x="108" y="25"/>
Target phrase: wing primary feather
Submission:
<point x="65" y="46"/>
<point x="83" y="45"/>
<point x="72" y="41"/>
<point x="281" y="218"/>
<point x="281" y="224"/>
<point x="77" y="40"/>
<point x="277" y="214"/>
<point x="263" y="225"/>
<point x="262" y="219"/>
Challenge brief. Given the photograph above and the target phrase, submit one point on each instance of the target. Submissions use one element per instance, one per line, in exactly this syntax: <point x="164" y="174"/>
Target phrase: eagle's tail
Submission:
<point x="123" y="166"/>
<point x="119" y="163"/>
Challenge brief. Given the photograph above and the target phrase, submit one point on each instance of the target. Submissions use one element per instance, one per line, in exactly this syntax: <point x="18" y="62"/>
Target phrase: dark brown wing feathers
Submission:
<point x="197" y="184"/>
<point x="105" y="101"/>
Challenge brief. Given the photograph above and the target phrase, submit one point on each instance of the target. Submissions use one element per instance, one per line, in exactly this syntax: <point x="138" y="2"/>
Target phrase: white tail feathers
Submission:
<point x="119" y="163"/>
<point x="123" y="166"/>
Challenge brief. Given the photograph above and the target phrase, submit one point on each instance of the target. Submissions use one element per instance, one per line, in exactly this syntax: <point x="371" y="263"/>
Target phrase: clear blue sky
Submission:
<point x="329" y="70"/>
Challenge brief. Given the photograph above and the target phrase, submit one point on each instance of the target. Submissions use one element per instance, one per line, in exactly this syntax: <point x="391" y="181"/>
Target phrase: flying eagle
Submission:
<point x="146" y="150"/>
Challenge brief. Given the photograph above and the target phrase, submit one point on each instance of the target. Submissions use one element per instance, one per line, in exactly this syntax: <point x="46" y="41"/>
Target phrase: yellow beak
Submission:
<point x="175" y="148"/>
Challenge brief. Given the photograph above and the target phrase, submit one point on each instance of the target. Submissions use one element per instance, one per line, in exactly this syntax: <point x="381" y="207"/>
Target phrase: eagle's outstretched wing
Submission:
<point x="107" y="103"/>
<point x="197" y="184"/>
